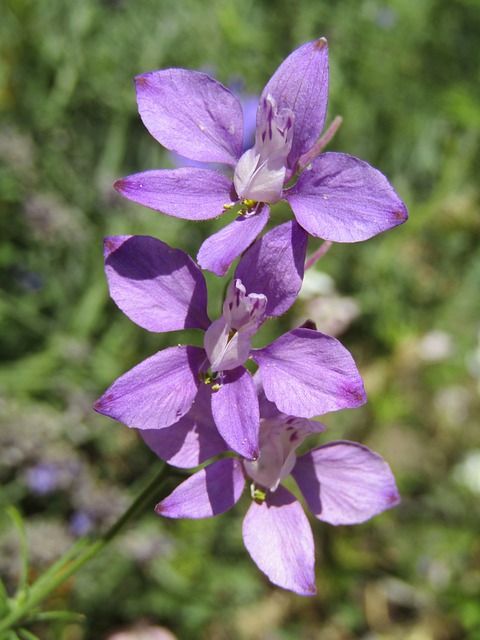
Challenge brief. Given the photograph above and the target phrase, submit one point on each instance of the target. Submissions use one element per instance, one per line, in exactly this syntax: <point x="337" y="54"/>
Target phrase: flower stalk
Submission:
<point x="28" y="598"/>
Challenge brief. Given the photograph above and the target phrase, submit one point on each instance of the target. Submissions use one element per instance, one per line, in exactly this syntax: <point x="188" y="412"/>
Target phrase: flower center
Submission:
<point x="278" y="443"/>
<point x="228" y="340"/>
<point x="260" y="172"/>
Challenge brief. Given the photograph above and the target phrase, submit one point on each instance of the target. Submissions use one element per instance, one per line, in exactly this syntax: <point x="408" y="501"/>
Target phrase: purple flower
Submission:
<point x="43" y="478"/>
<point x="335" y="196"/>
<point x="304" y="372"/>
<point x="342" y="483"/>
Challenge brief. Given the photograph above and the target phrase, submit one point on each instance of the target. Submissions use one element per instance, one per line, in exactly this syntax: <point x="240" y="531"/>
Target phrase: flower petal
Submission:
<point x="345" y="482"/>
<point x="279" y="539"/>
<point x="228" y="340"/>
<point x="157" y="392"/>
<point x="344" y="199"/>
<point x="219" y="251"/>
<point x="301" y="84"/>
<point x="210" y="491"/>
<point x="156" y="286"/>
<point x="236" y="414"/>
<point x="274" y="266"/>
<point x="193" y="439"/>
<point x="192" y="114"/>
<point x="306" y="373"/>
<point x="260" y="172"/>
<point x="190" y="193"/>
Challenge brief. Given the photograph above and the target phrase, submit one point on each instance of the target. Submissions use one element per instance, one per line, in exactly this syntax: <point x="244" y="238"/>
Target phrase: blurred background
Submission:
<point x="405" y="77"/>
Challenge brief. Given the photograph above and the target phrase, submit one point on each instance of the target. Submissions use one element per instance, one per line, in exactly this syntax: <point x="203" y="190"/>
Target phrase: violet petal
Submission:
<point x="344" y="199"/>
<point x="219" y="251"/>
<point x="345" y="482"/>
<point x="189" y="193"/>
<point x="279" y="539"/>
<point x="192" y="114"/>
<point x="193" y="439"/>
<point x="156" y="286"/>
<point x="209" y="492"/>
<point x="306" y="373"/>
<point x="274" y="266"/>
<point x="301" y="84"/>
<point x="157" y="392"/>
<point x="236" y="414"/>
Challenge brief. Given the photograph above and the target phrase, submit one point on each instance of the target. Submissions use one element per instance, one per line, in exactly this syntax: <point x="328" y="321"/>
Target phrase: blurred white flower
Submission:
<point x="467" y="472"/>
<point x="436" y="346"/>
<point x="331" y="312"/>
<point x="143" y="633"/>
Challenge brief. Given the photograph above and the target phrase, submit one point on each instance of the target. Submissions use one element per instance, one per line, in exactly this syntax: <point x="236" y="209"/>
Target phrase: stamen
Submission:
<point x="257" y="494"/>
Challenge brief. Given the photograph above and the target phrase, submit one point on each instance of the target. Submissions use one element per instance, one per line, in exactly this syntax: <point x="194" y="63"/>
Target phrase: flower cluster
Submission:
<point x="192" y="404"/>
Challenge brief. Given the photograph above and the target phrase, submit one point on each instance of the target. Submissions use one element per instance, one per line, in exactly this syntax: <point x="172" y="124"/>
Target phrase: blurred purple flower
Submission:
<point x="43" y="478"/>
<point x="81" y="523"/>
<point x="342" y="483"/>
<point x="337" y="198"/>
<point x="306" y="373"/>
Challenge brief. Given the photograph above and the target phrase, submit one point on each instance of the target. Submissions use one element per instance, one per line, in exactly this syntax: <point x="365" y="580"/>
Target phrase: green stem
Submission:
<point x="42" y="588"/>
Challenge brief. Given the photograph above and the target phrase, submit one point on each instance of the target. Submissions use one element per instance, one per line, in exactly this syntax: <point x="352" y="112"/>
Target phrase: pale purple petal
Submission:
<point x="228" y="346"/>
<point x="306" y="373"/>
<point x="279" y="539"/>
<point x="157" y="392"/>
<point x="189" y="193"/>
<point x="274" y="266"/>
<point x="235" y="410"/>
<point x="156" y="286"/>
<point x="301" y="84"/>
<point x="260" y="172"/>
<point x="193" y="439"/>
<point x="192" y="114"/>
<point x="344" y="199"/>
<point x="211" y="491"/>
<point x="219" y="251"/>
<point x="216" y="340"/>
<point x="345" y="482"/>
<point x="228" y="340"/>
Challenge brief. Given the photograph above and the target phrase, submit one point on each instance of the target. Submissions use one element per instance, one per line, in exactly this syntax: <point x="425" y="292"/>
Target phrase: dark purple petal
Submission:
<point x="189" y="193"/>
<point x="279" y="539"/>
<point x="274" y="266"/>
<point x="235" y="411"/>
<point x="301" y="84"/>
<point x="157" y="392"/>
<point x="156" y="286"/>
<point x="345" y="482"/>
<point x="193" y="439"/>
<point x="306" y="373"/>
<point x="219" y="251"/>
<point x="344" y="199"/>
<point x="211" y="491"/>
<point x="190" y="113"/>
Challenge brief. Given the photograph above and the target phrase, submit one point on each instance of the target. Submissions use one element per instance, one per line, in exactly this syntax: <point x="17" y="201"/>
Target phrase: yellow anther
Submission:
<point x="249" y="203"/>
<point x="257" y="494"/>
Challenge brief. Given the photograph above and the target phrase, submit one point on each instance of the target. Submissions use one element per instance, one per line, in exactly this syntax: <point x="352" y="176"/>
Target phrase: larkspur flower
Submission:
<point x="333" y="196"/>
<point x="342" y="482"/>
<point x="305" y="372"/>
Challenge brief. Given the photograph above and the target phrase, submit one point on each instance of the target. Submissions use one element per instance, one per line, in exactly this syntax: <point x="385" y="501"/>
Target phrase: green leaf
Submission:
<point x="19" y="525"/>
<point x="64" y="616"/>
<point x="25" y="634"/>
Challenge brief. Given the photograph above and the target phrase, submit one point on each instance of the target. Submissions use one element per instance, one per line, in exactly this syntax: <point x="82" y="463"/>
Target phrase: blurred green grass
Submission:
<point x="404" y="76"/>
